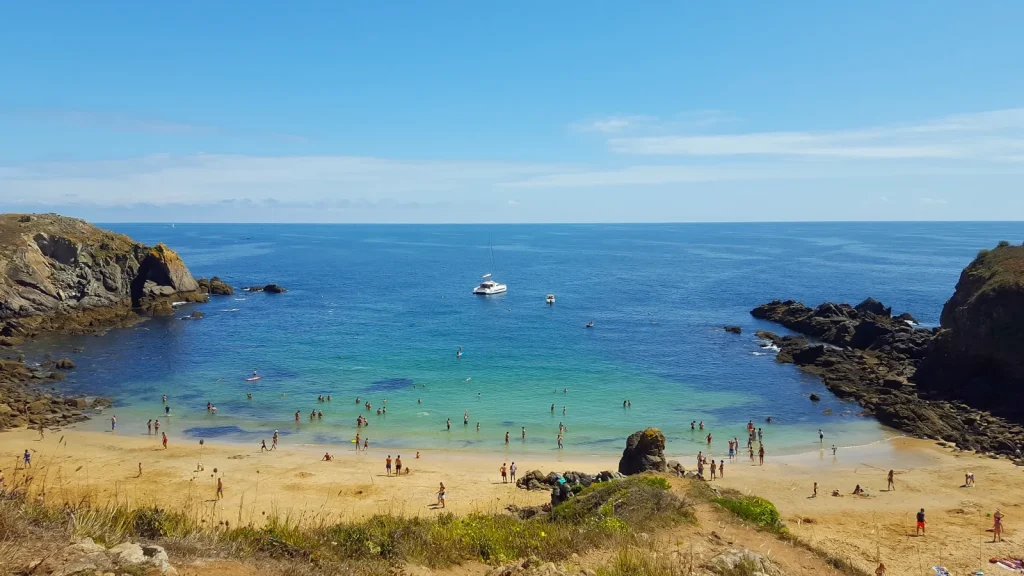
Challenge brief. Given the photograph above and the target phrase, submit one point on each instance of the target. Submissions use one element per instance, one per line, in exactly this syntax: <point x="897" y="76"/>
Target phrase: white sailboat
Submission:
<point x="487" y="285"/>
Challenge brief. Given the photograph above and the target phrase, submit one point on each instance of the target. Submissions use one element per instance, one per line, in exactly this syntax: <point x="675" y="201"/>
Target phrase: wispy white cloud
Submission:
<point x="611" y="124"/>
<point x="987" y="136"/>
<point x="124" y="122"/>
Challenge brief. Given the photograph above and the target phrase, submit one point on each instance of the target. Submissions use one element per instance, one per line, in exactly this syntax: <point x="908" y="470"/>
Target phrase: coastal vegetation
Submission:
<point x="606" y="514"/>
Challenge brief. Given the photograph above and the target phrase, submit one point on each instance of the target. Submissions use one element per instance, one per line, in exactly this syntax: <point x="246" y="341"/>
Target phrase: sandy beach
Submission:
<point x="294" y="482"/>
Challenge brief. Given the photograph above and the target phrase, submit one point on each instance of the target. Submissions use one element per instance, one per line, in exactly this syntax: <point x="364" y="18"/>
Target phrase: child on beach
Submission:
<point x="920" y="522"/>
<point x="263" y="445"/>
<point x="28" y="459"/>
<point x="892" y="485"/>
<point x="164" y="440"/>
<point x="440" y="496"/>
<point x="366" y="444"/>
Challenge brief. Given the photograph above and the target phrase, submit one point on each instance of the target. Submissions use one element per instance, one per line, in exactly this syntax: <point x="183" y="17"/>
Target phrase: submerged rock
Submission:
<point x="733" y="329"/>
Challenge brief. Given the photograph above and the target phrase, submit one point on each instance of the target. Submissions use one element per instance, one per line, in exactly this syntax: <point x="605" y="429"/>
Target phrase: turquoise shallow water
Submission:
<point x="377" y="312"/>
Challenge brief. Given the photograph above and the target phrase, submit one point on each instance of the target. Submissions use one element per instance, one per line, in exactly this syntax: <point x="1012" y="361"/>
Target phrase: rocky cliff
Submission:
<point x="978" y="355"/>
<point x="64" y="274"/>
<point x="963" y="383"/>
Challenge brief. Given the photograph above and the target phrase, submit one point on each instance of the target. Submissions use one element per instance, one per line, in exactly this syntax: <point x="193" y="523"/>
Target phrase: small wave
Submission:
<point x="770" y="347"/>
<point x="176" y="304"/>
<point x="239" y="299"/>
<point x="759" y="353"/>
<point x="231" y="310"/>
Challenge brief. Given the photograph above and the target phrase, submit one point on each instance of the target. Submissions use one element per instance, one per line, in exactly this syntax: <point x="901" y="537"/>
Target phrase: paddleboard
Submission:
<point x="253" y="379"/>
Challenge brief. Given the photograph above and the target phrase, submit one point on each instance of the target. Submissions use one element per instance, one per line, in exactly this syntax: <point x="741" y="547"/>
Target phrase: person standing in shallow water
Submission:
<point x="448" y="424"/>
<point x="760" y="455"/>
<point x="506" y="437"/>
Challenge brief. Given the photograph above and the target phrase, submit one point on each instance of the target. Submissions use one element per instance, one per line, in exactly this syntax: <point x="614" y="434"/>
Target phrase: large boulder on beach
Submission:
<point x="645" y="452"/>
<point x="872" y="306"/>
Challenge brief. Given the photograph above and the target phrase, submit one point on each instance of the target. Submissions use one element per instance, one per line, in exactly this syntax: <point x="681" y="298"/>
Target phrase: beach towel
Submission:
<point x="1011" y="564"/>
<point x="940" y="571"/>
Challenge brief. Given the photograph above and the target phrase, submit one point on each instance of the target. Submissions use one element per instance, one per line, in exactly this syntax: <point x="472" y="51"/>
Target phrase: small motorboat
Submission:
<point x="550" y="299"/>
<point x="589" y="324"/>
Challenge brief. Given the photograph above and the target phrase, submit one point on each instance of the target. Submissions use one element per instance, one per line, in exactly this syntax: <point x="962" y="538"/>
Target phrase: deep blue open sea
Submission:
<point x="377" y="312"/>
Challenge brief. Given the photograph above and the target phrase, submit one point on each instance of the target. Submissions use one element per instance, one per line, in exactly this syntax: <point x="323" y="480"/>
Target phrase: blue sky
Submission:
<point x="513" y="111"/>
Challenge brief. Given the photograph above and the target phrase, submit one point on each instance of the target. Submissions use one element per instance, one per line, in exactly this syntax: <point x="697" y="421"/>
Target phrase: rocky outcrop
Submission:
<point x="268" y="288"/>
<point x="733" y="329"/>
<point x="215" y="287"/>
<point x="645" y="452"/>
<point x="978" y="354"/>
<point x="537" y="480"/>
<point x="65" y="275"/>
<point x="742" y="561"/>
<point x="22" y="403"/>
<point x="863" y="354"/>
<point x="87" y="557"/>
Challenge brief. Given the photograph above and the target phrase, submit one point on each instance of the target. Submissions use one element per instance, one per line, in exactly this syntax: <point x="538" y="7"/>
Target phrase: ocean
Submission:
<point x="378" y="311"/>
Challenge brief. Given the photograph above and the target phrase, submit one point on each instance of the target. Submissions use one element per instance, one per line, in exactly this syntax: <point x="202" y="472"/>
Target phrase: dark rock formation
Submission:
<point x="195" y="315"/>
<point x="537" y="480"/>
<point x="815" y="398"/>
<point x="978" y="354"/>
<point x="23" y="403"/>
<point x="865" y="355"/>
<point x="215" y="287"/>
<point x="733" y="329"/>
<point x="907" y="317"/>
<point x="60" y="274"/>
<point x="65" y="364"/>
<point x="274" y="289"/>
<point x="645" y="452"/>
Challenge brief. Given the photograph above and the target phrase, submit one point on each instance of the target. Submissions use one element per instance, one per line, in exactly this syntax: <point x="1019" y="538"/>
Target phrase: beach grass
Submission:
<point x="611" y="513"/>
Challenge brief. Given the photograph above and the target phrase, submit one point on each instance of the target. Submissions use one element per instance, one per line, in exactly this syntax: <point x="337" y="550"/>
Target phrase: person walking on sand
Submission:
<point x="28" y="459"/>
<point x="366" y="444"/>
<point x="920" y="523"/>
<point x="760" y="455"/>
<point x="113" y="423"/>
<point x="512" y="472"/>
<point x="815" y="494"/>
<point x="892" y="485"/>
<point x="164" y="440"/>
<point x="273" y="443"/>
<point x="714" y="469"/>
<point x="751" y="448"/>
<point x="833" y="449"/>
<point x="387" y="463"/>
<point x="398" y="465"/>
<point x="140" y="470"/>
<point x="220" y="489"/>
<point x="440" y="495"/>
<point x="997" y="526"/>
<point x="504" y="474"/>
<point x="263" y="445"/>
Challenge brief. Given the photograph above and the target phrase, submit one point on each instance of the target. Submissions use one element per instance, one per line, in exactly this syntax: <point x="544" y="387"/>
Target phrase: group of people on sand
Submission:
<point x="398" y="465"/>
<point x="508" y="472"/>
<point x="717" y="469"/>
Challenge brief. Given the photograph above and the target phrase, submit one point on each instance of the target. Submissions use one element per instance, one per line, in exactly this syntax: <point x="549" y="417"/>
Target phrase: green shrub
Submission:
<point x="753" y="509"/>
<point x="1003" y="244"/>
